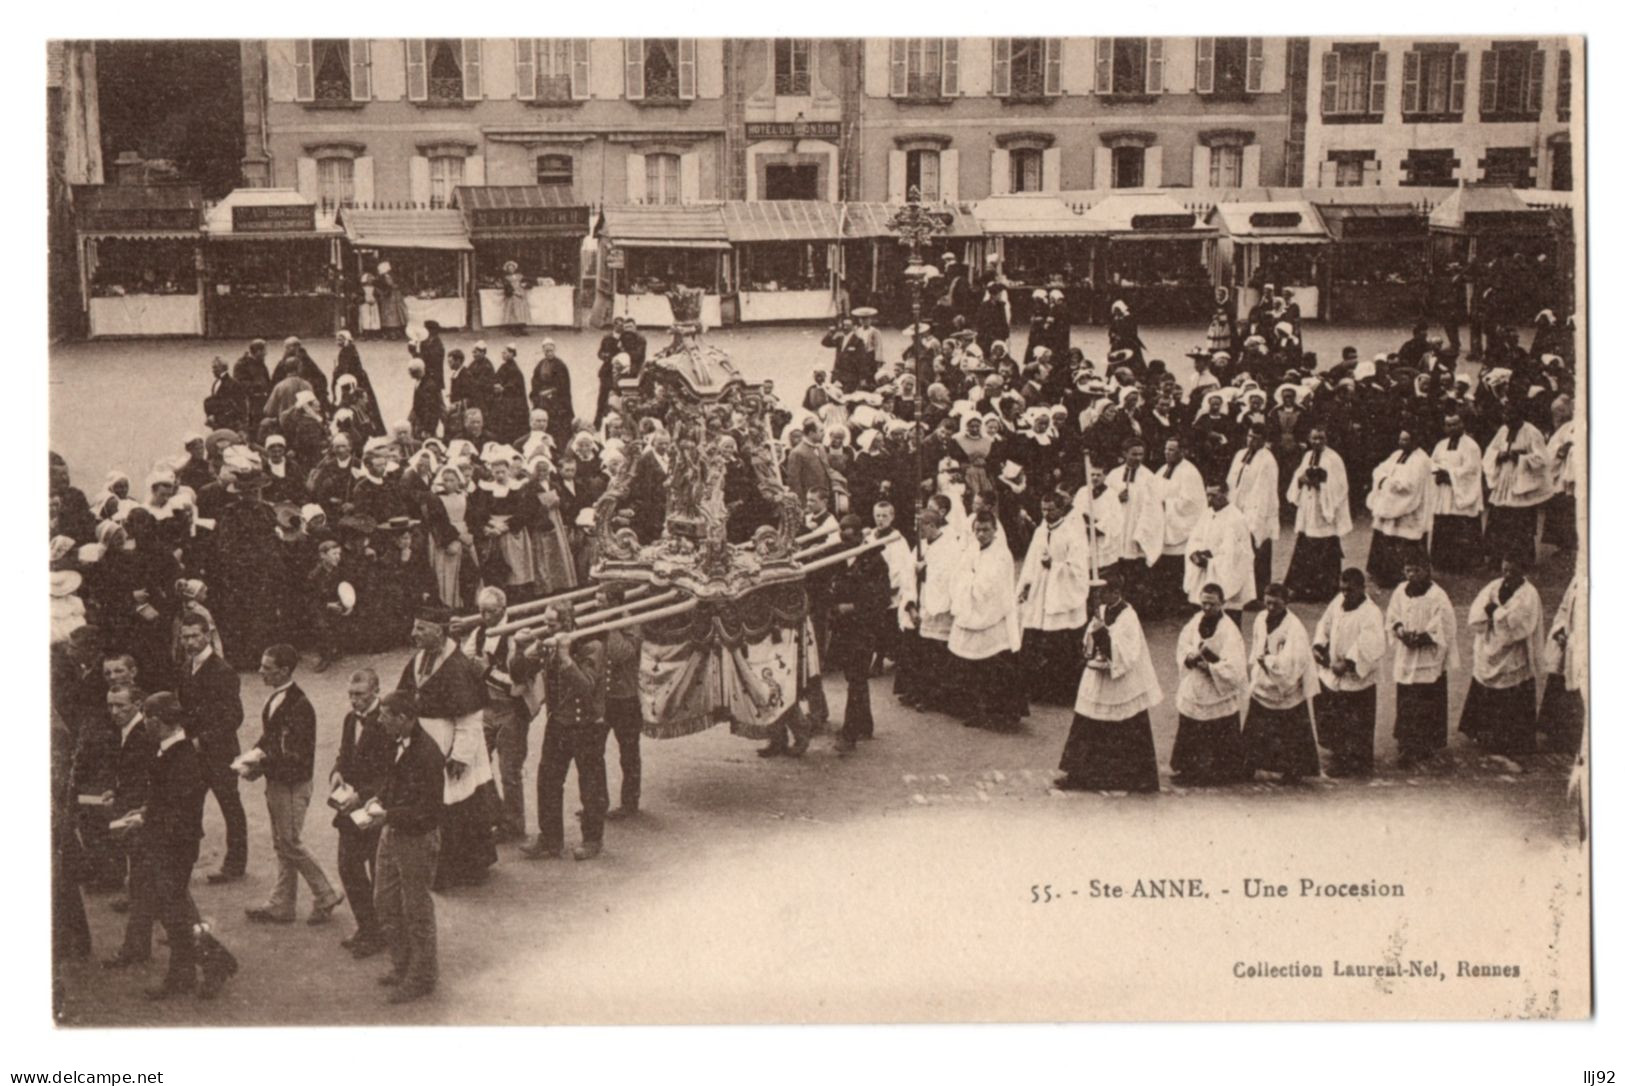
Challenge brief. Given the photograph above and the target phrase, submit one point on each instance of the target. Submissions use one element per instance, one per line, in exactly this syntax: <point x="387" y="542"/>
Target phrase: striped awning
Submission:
<point x="521" y="211"/>
<point x="405" y="228"/>
<point x="753" y="221"/>
<point x="653" y="225"/>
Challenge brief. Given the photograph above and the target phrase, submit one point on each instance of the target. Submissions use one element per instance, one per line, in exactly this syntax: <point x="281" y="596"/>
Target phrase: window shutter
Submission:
<point x="1001" y="69"/>
<point x="1413" y="83"/>
<point x="637" y="180"/>
<point x="363" y="181"/>
<point x="1103" y="65"/>
<point x="474" y="170"/>
<point x="1486" y="81"/>
<point x="1537" y="81"/>
<point x="1369" y="171"/>
<point x="473" y="69"/>
<point x="308" y="186"/>
<point x="1153" y="65"/>
<point x="360" y="69"/>
<point x="418" y="175"/>
<point x="897" y="177"/>
<point x="581" y="68"/>
<point x="1052" y="169"/>
<point x="1255" y="65"/>
<point x="1052" y="65"/>
<point x="1153" y="167"/>
<point x="1103" y="168"/>
<point x="1204" y="65"/>
<point x="1379" y="81"/>
<point x="950" y="67"/>
<point x="304" y="71"/>
<point x="634" y="72"/>
<point x="950" y="176"/>
<point x="689" y="165"/>
<point x="1328" y="82"/>
<point x="417" y="70"/>
<point x="1251" y="158"/>
<point x="1458" y="82"/>
<point x="899" y="67"/>
<point x="524" y="67"/>
<point x="1000" y="172"/>
<point x="1201" y="166"/>
<point x="687" y="50"/>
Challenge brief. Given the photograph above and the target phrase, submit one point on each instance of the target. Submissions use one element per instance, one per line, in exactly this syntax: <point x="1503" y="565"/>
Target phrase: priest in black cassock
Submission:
<point x="450" y="690"/>
<point x="550" y="391"/>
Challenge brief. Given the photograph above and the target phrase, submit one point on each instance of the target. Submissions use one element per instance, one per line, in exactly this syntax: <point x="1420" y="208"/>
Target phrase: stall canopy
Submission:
<point x="868" y="220"/>
<point x="661" y="226"/>
<point x="138" y="211"/>
<point x="1498" y="208"/>
<point x="258" y="214"/>
<point x="520" y="211"/>
<point x="1294" y="223"/>
<point x="405" y="228"/>
<point x="755" y="221"/>
<point x="1368" y="222"/>
<point x="1151" y="215"/>
<point x="1024" y="215"/>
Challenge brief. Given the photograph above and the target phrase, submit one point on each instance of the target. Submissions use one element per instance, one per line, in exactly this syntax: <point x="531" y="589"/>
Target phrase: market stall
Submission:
<point x="140" y="258"/>
<point x="1152" y="253"/>
<point x="1514" y="249"/>
<point x="428" y="254"/>
<point x="873" y="258"/>
<point x="1281" y="243"/>
<point x="271" y="269"/>
<point x="645" y="250"/>
<point x="1377" y="265"/>
<point x="787" y="252"/>
<point x="1034" y="240"/>
<point x="538" y="230"/>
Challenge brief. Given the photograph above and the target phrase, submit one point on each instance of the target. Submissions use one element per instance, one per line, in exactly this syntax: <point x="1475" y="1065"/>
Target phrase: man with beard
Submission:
<point x="1212" y="659"/>
<point x="1053" y="594"/>
<point x="1254" y="488"/>
<point x="1401" y="509"/>
<point x="550" y="391"/>
<point x="1320" y="491"/>
<point x="1423" y="622"/>
<point x="509" y="412"/>
<point x="1348" y="647"/>
<point x="1505" y="618"/>
<point x="1458" y="498"/>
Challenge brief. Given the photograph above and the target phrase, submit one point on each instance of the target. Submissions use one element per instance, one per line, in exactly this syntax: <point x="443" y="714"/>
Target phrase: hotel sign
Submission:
<point x="793" y="130"/>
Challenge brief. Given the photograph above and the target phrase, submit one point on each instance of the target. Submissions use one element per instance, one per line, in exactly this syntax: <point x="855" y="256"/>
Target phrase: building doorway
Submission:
<point x="790" y="182"/>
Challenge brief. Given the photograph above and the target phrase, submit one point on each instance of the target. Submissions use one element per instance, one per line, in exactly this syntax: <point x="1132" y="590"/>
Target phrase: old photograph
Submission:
<point x="727" y="530"/>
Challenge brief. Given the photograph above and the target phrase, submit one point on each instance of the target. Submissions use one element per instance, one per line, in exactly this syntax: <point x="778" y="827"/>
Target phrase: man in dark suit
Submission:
<point x="212" y="696"/>
<point x="365" y="752"/>
<point x="573" y="677"/>
<point x="647" y="494"/>
<point x="859" y="592"/>
<point x="807" y="466"/>
<point x="165" y="847"/>
<point x="635" y="347"/>
<point x="226" y="407"/>
<point x="608" y="348"/>
<point x="412" y="799"/>
<point x="131" y="762"/>
<point x="253" y="377"/>
<point x="288" y="761"/>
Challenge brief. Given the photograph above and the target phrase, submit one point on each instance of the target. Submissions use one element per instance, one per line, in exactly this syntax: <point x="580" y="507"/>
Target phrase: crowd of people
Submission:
<point x="1029" y="510"/>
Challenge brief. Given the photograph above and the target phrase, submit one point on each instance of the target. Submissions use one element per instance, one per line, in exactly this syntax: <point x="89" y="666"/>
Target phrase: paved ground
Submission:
<point x="892" y="884"/>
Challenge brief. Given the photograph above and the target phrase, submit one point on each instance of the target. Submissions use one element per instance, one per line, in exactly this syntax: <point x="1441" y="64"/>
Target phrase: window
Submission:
<point x="1435" y="167"/>
<point x="1513" y="166"/>
<point x="1562" y="166"/>
<point x="1229" y="66"/>
<point x="1565" y="83"/>
<point x="335" y="182"/>
<point x="1354" y="82"/>
<point x="1128" y="167"/>
<point x="924" y="172"/>
<point x="1224" y="167"/>
<point x="552" y="69"/>
<point x="445" y="174"/>
<point x="663" y="179"/>
<point x="792" y="67"/>
<point x="1435" y="82"/>
<point x="443" y="70"/>
<point x="924" y="67"/>
<point x="1128" y="66"/>
<point x="1027" y="170"/>
<point x="665" y="72"/>
<point x="1510" y="81"/>
<point x="1026" y="67"/>
<point x="332" y="71"/>
<point x="555" y="170"/>
<point x="1350" y="173"/>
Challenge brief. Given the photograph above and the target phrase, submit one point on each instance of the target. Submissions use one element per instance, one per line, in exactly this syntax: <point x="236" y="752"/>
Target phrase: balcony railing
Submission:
<point x="660" y="89"/>
<point x="443" y="89"/>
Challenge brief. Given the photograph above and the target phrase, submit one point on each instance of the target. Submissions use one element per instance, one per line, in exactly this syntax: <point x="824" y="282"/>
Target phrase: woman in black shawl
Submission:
<point x="349" y="365"/>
